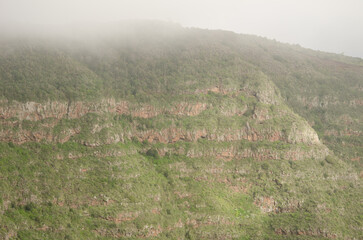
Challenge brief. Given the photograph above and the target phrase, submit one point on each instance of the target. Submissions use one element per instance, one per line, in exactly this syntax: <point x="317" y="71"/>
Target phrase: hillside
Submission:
<point x="150" y="130"/>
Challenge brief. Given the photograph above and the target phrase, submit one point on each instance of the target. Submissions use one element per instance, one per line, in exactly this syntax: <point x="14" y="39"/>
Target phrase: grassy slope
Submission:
<point x="83" y="196"/>
<point x="109" y="196"/>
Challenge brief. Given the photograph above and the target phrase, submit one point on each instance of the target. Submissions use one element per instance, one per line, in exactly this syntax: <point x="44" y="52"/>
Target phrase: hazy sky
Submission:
<point x="327" y="25"/>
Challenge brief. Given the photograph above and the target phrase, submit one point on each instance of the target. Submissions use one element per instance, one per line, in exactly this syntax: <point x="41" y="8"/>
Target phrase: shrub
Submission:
<point x="264" y="166"/>
<point x="30" y="206"/>
<point x="152" y="153"/>
<point x="329" y="159"/>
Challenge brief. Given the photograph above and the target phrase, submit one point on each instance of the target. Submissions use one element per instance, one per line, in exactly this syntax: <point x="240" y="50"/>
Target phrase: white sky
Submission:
<point x="327" y="25"/>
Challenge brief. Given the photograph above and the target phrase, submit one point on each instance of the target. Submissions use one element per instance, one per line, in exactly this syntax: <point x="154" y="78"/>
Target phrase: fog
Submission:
<point x="326" y="25"/>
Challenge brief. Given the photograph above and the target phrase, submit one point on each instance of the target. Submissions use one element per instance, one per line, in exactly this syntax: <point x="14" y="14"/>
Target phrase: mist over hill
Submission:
<point x="146" y="129"/>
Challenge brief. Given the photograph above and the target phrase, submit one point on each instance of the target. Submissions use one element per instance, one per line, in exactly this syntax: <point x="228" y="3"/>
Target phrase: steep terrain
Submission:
<point x="150" y="130"/>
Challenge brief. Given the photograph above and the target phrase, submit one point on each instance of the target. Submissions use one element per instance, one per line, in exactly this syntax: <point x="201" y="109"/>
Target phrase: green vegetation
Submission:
<point x="176" y="133"/>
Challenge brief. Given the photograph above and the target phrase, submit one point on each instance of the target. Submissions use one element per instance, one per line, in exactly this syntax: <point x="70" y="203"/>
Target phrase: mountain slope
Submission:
<point x="150" y="130"/>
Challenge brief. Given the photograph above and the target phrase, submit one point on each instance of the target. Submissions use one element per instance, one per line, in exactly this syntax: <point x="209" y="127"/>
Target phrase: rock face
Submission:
<point x="302" y="133"/>
<point x="31" y="121"/>
<point x="262" y="117"/>
<point x="45" y="131"/>
<point x="53" y="109"/>
<point x="169" y="127"/>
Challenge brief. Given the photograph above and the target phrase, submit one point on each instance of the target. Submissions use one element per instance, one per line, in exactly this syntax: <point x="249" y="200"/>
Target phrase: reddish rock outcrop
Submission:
<point x="53" y="109"/>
